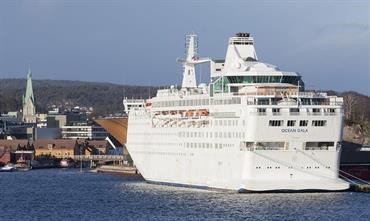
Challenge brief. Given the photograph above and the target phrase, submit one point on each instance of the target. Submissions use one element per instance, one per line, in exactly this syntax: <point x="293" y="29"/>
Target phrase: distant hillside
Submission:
<point x="105" y="98"/>
<point x="357" y="117"/>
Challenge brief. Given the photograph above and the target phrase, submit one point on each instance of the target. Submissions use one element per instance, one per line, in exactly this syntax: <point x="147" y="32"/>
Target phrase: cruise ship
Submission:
<point x="252" y="128"/>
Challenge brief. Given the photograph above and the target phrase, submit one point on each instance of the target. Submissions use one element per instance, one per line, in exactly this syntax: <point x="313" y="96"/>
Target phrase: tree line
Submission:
<point x="105" y="98"/>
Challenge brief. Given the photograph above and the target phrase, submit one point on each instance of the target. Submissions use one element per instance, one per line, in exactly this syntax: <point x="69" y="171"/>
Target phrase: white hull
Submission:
<point x="162" y="156"/>
<point x="252" y="128"/>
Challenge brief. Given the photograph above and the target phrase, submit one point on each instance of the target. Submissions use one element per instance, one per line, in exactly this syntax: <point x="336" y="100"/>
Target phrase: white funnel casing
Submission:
<point x="240" y="49"/>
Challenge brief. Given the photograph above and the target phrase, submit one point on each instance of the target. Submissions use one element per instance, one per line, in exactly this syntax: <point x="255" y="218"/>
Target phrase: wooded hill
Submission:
<point x="105" y="98"/>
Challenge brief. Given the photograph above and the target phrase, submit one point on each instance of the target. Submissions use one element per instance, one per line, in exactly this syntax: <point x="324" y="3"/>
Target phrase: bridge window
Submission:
<point x="330" y="111"/>
<point x="320" y="101"/>
<point x="303" y="123"/>
<point x="275" y="79"/>
<point x="291" y="123"/>
<point x="294" y="111"/>
<point x="316" y="111"/>
<point x="263" y="101"/>
<point x="261" y="111"/>
<point x="305" y="101"/>
<point x="318" y="123"/>
<point x="275" y="111"/>
<point x="261" y="79"/>
<point x="276" y="123"/>
<point x="275" y="101"/>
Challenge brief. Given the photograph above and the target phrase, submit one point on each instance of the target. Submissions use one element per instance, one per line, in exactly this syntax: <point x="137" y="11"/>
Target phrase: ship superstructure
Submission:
<point x="253" y="127"/>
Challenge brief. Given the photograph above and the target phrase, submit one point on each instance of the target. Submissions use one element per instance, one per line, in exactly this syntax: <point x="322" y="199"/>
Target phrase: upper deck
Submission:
<point x="173" y="99"/>
<point x="241" y="80"/>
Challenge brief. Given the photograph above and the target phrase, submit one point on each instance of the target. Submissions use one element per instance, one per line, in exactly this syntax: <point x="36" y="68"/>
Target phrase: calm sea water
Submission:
<point x="57" y="194"/>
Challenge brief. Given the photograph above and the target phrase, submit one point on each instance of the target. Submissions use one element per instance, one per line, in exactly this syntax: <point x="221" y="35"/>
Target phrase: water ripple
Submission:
<point x="70" y="195"/>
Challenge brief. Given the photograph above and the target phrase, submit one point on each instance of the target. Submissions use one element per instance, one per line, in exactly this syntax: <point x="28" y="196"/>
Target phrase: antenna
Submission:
<point x="298" y="94"/>
<point x="191" y="59"/>
<point x="123" y="95"/>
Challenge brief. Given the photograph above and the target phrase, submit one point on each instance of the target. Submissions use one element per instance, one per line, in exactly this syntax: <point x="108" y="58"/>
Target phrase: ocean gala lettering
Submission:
<point x="294" y="130"/>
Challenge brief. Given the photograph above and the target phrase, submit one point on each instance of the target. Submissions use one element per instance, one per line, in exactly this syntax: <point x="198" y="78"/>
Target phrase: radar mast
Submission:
<point x="191" y="59"/>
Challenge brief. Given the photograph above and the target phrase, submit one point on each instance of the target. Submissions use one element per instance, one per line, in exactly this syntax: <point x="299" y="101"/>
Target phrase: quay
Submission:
<point x="365" y="188"/>
<point x="118" y="169"/>
<point x="49" y="153"/>
<point x="101" y="159"/>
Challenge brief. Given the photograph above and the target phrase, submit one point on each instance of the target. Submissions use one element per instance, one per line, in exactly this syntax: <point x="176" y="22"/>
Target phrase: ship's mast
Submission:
<point x="191" y="59"/>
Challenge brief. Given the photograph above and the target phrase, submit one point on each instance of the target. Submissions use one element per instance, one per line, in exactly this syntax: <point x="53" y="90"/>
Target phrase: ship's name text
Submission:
<point x="294" y="130"/>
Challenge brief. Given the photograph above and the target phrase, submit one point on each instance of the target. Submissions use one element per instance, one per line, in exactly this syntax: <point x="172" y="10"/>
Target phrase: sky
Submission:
<point x="138" y="42"/>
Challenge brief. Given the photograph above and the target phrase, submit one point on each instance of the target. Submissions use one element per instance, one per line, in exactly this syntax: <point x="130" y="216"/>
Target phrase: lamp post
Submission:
<point x="80" y="159"/>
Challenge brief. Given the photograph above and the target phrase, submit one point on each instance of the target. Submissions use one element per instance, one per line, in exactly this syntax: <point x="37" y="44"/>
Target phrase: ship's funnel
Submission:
<point x="240" y="50"/>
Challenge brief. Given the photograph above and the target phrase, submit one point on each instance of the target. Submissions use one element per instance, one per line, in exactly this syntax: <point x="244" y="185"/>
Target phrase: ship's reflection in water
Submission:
<point x="71" y="195"/>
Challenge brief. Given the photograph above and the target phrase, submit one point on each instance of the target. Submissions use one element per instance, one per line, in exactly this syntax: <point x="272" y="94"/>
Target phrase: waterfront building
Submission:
<point x="12" y="127"/>
<point x="20" y="131"/>
<point x="59" y="148"/>
<point x="4" y="156"/>
<point x="6" y="121"/>
<point x="13" y="114"/>
<point x="47" y="133"/>
<point x="28" y="103"/>
<point x="56" y="120"/>
<point x="13" y="150"/>
<point x="41" y="120"/>
<point x="62" y="148"/>
<point x="84" y="132"/>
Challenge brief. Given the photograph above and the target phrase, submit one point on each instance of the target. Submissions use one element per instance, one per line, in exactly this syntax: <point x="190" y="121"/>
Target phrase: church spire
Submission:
<point x="29" y="89"/>
<point x="29" y="110"/>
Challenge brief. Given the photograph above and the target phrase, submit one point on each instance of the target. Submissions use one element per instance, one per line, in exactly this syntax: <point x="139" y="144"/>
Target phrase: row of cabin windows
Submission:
<point x="258" y="79"/>
<point x="207" y="145"/>
<point x="308" y="167"/>
<point x="237" y="100"/>
<point x="268" y="167"/>
<point x="302" y="101"/>
<point x="212" y="134"/>
<point x="292" y="123"/>
<point x="227" y="123"/>
<point x="297" y="110"/>
<point x="197" y="102"/>
<point x="234" y="100"/>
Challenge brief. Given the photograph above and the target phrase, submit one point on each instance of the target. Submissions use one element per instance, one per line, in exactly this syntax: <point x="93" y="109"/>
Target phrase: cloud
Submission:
<point x="334" y="56"/>
<point x="341" y="36"/>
